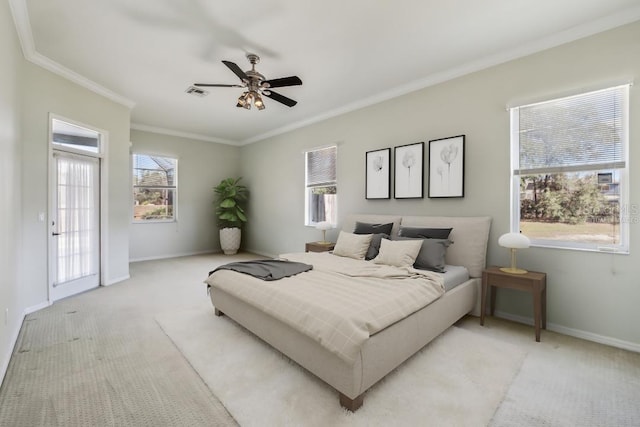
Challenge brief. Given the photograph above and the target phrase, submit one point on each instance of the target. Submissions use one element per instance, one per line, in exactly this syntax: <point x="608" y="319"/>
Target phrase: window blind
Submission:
<point x="321" y="167"/>
<point x="582" y="132"/>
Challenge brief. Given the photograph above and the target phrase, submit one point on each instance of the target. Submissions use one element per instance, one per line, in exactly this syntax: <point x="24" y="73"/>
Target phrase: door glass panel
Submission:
<point x="77" y="218"/>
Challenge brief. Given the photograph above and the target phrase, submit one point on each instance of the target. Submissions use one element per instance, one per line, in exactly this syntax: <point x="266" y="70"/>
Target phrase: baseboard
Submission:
<point x="13" y="341"/>
<point x="261" y="253"/>
<point x="577" y="333"/>
<point x="178" y="255"/>
<point x="117" y="280"/>
<point x="36" y="307"/>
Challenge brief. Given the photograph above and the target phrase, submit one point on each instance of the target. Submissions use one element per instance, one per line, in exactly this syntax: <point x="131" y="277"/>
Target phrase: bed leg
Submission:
<point x="218" y="312"/>
<point x="351" y="404"/>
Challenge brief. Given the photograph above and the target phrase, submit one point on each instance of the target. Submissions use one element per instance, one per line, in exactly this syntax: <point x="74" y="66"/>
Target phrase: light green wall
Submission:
<point x="594" y="295"/>
<point x="45" y="93"/>
<point x="11" y="290"/>
<point x="201" y="166"/>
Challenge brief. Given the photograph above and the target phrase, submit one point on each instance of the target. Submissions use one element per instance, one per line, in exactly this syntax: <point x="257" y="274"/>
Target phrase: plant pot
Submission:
<point x="230" y="240"/>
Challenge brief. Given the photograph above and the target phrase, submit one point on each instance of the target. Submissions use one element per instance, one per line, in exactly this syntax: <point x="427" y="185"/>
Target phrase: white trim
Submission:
<point x="171" y="132"/>
<point x="116" y="280"/>
<point x="572" y="34"/>
<point x="37" y="307"/>
<point x="25" y="35"/>
<point x="12" y="345"/>
<point x="177" y="255"/>
<point x="20" y="14"/>
<point x="261" y="253"/>
<point x="103" y="167"/>
<point x="14" y="337"/>
<point x="577" y="333"/>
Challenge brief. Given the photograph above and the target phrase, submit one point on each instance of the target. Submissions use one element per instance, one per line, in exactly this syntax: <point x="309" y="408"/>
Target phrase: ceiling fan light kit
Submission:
<point x="257" y="85"/>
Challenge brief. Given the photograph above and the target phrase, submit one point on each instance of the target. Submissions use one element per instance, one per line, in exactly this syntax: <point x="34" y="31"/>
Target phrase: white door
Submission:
<point x="75" y="224"/>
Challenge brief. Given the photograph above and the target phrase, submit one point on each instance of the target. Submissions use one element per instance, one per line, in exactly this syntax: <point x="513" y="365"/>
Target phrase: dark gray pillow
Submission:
<point x="374" y="246"/>
<point x="431" y="255"/>
<point x="425" y="233"/>
<point x="365" y="228"/>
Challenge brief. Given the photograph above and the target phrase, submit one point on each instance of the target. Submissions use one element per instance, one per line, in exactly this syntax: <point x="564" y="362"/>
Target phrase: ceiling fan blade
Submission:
<point x="284" y="81"/>
<point x="215" y="85"/>
<point x="280" y="98"/>
<point x="236" y="70"/>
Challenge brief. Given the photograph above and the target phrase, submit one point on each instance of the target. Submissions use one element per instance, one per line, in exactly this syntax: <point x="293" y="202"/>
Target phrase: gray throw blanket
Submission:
<point x="271" y="269"/>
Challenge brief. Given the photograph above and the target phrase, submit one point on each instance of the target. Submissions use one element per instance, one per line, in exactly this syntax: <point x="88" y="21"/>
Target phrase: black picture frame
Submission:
<point x="446" y="167"/>
<point x="378" y="174"/>
<point x="409" y="171"/>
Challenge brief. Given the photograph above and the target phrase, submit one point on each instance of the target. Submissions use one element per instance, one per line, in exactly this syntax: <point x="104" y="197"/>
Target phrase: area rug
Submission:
<point x="459" y="379"/>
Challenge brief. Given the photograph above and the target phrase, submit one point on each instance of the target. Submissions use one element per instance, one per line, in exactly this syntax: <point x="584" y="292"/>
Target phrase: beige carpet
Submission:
<point x="100" y="358"/>
<point x="457" y="380"/>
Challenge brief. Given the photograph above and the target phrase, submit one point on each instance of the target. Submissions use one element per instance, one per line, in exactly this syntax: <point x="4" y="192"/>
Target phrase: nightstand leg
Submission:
<point x="544" y="307"/>
<point x="492" y="305"/>
<point x="483" y="298"/>
<point x="537" y="310"/>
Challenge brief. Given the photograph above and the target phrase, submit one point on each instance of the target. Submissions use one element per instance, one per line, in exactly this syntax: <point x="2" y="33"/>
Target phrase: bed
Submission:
<point x="353" y="372"/>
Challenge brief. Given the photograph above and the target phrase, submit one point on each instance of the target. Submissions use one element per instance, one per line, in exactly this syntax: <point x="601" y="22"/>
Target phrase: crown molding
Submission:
<point x="25" y="35"/>
<point x="575" y="33"/>
<point x="171" y="132"/>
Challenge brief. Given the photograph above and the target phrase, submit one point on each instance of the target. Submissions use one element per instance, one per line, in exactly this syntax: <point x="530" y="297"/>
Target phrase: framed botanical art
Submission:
<point x="409" y="171"/>
<point x="446" y="167"/>
<point x="378" y="174"/>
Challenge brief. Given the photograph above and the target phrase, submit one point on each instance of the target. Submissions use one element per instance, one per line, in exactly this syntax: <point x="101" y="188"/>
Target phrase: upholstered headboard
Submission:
<point x="469" y="235"/>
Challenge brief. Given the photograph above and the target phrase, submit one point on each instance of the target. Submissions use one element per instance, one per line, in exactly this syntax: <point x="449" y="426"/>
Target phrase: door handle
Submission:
<point x="55" y="234"/>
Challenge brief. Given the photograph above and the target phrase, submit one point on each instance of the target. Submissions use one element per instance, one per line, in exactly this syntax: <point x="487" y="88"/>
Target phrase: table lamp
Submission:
<point x="324" y="226"/>
<point x="514" y="241"/>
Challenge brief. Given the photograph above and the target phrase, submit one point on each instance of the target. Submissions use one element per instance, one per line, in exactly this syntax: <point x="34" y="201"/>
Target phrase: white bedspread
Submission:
<point x="341" y="302"/>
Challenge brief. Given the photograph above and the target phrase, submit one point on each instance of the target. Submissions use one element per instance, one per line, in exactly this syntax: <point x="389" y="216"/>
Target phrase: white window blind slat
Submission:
<point x="321" y="167"/>
<point x="582" y="130"/>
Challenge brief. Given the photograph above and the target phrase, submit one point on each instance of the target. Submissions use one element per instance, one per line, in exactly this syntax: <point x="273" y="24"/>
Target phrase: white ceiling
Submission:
<point x="348" y="53"/>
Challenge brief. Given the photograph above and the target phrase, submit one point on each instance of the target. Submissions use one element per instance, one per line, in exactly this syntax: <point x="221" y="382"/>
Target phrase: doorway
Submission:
<point x="74" y="213"/>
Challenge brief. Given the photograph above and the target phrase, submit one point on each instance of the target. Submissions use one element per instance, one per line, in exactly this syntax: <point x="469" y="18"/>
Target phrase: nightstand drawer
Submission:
<point x="319" y="246"/>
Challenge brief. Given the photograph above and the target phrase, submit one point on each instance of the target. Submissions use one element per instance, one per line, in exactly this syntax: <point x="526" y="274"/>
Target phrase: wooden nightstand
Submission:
<point x="319" y="246"/>
<point x="533" y="282"/>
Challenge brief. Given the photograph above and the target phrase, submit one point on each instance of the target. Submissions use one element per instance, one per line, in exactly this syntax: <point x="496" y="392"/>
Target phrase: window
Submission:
<point x="154" y="188"/>
<point x="569" y="158"/>
<point x="320" y="173"/>
<point x="70" y="137"/>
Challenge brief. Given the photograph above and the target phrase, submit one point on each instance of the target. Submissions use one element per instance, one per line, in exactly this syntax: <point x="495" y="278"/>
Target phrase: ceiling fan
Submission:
<point x="256" y="85"/>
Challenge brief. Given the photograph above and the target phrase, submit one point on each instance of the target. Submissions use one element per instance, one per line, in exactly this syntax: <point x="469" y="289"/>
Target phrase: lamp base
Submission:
<point x="513" y="270"/>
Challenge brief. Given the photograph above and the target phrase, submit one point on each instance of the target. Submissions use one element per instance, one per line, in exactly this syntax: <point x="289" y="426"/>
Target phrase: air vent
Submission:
<point x="192" y="90"/>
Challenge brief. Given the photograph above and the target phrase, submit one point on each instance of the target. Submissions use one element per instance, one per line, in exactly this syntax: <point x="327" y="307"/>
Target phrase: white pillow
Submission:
<point x="399" y="253"/>
<point x="352" y="245"/>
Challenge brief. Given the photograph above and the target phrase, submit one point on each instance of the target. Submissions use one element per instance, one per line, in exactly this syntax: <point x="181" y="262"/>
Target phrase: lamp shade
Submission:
<point x="514" y="241"/>
<point x="324" y="225"/>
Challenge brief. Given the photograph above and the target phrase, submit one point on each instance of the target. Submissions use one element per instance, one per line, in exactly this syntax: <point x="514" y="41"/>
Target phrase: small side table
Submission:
<point x="532" y="281"/>
<point x="319" y="246"/>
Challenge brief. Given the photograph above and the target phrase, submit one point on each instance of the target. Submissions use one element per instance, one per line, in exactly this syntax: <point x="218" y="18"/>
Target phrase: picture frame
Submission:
<point x="378" y="174"/>
<point x="446" y="167"/>
<point x="409" y="171"/>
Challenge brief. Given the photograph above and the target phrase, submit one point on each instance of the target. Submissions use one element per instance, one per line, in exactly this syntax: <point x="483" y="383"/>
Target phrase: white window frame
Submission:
<point x="625" y="209"/>
<point x="309" y="187"/>
<point x="170" y="187"/>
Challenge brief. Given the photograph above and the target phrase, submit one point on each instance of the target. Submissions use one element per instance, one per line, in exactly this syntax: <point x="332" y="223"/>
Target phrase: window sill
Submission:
<point x="602" y="249"/>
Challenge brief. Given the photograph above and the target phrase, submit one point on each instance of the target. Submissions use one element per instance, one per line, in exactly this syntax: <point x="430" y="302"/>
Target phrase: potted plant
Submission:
<point x="230" y="195"/>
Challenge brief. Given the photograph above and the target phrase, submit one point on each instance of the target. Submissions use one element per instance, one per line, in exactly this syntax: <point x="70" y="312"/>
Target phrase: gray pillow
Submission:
<point x="374" y="246"/>
<point x="425" y="233"/>
<point x="431" y="255"/>
<point x="365" y="228"/>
